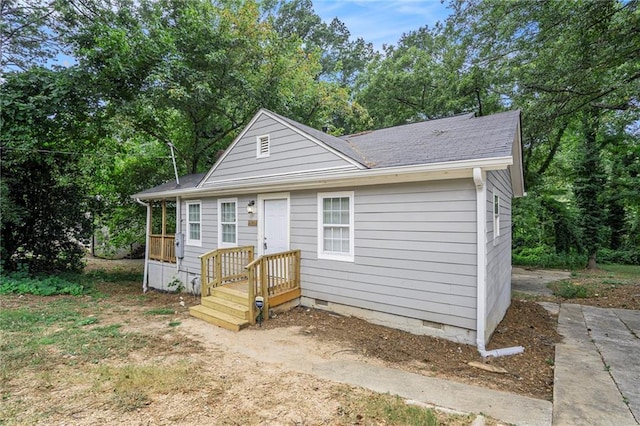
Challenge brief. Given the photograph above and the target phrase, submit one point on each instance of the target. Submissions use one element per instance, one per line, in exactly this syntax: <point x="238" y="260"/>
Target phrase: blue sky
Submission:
<point x="382" y="21"/>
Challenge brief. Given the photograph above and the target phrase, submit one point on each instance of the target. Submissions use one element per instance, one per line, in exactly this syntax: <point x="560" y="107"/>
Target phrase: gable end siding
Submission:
<point x="289" y="152"/>
<point x="498" y="251"/>
<point x="415" y="252"/>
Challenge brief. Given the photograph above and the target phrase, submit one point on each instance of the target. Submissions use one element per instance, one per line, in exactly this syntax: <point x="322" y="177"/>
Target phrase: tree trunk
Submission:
<point x="591" y="264"/>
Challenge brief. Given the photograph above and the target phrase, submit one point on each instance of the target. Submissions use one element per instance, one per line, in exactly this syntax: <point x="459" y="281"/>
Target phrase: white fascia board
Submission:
<point x="400" y="174"/>
<point x="517" y="173"/>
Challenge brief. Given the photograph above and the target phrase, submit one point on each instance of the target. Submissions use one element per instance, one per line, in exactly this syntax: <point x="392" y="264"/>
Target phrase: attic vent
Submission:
<point x="263" y="146"/>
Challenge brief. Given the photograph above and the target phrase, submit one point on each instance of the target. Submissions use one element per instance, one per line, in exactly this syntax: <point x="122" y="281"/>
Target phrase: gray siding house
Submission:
<point x="408" y="226"/>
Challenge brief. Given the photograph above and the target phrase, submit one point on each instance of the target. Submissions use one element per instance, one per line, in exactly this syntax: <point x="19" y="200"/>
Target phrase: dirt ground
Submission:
<point x="262" y="375"/>
<point x="526" y="324"/>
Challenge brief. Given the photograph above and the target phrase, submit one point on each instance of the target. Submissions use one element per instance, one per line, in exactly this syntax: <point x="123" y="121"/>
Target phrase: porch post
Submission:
<point x="164" y="228"/>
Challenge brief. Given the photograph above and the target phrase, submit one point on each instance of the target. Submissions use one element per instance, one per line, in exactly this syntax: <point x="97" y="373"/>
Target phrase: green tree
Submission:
<point x="44" y="130"/>
<point x="573" y="68"/>
<point x="424" y="77"/>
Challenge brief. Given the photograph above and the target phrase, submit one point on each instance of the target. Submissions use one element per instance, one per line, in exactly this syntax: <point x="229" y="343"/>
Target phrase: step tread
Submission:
<point x="219" y="315"/>
<point x="227" y="303"/>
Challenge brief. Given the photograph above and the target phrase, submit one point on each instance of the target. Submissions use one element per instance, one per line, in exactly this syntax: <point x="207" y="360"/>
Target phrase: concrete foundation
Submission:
<point x="411" y="325"/>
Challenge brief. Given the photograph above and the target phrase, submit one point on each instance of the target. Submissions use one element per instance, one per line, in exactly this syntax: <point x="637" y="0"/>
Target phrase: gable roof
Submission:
<point x="444" y="145"/>
<point x="332" y="141"/>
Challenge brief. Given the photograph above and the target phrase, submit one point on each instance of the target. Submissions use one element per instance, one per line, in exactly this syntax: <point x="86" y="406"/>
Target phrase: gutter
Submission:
<point x="481" y="298"/>
<point x="145" y="279"/>
<point x="396" y="174"/>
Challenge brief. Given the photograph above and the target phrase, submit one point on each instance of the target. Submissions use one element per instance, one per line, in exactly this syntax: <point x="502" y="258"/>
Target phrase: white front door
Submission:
<point x="275" y="225"/>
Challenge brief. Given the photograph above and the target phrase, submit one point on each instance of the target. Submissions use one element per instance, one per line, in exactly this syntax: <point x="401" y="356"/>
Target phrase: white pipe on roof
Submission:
<point x="481" y="305"/>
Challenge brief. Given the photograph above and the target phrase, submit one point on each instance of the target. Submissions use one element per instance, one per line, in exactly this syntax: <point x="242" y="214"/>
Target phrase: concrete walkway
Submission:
<point x="507" y="407"/>
<point x="597" y="367"/>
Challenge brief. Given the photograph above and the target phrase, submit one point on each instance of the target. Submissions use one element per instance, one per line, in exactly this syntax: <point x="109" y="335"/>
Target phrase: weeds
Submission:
<point x="161" y="311"/>
<point x="370" y="408"/>
<point x="570" y="290"/>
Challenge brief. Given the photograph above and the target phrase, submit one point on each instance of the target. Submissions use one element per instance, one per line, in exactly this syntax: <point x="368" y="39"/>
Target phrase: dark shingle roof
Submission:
<point x="186" y="182"/>
<point x="462" y="137"/>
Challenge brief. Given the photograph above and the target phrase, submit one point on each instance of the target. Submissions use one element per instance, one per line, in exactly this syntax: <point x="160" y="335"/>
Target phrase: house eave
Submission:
<point x="340" y="178"/>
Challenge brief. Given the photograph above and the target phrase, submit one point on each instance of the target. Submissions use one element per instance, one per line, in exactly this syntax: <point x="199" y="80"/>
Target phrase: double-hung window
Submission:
<point x="227" y="223"/>
<point x="335" y="226"/>
<point x="194" y="223"/>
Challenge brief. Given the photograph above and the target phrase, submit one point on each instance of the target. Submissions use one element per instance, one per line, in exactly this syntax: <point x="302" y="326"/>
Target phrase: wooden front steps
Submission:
<point x="226" y="307"/>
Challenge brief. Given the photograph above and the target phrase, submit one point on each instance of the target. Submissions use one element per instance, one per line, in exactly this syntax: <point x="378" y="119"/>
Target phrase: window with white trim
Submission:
<point x="194" y="224"/>
<point x="227" y="223"/>
<point x="263" y="146"/>
<point x="335" y="226"/>
<point x="496" y="215"/>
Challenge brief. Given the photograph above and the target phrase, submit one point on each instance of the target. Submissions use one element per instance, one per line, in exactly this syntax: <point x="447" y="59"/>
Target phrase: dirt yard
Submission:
<point x="178" y="369"/>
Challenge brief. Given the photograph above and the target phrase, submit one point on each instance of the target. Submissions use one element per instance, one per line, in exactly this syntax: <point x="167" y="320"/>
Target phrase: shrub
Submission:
<point x="545" y="257"/>
<point x="21" y="283"/>
<point x="569" y="290"/>
<point x="625" y="257"/>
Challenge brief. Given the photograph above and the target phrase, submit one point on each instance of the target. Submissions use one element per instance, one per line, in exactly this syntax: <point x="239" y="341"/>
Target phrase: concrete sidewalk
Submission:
<point x="597" y="367"/>
<point x="507" y="407"/>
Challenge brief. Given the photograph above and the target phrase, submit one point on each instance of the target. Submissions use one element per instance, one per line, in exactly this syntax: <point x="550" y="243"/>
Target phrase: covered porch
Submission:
<point x="161" y="231"/>
<point x="232" y="280"/>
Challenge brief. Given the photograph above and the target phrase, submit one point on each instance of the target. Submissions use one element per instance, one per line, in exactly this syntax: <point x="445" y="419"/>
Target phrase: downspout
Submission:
<point x="145" y="281"/>
<point x="178" y="230"/>
<point x="481" y="302"/>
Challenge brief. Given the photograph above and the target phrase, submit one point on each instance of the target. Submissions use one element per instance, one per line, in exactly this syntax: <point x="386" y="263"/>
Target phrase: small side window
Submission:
<point x="263" y="148"/>
<point x="194" y="223"/>
<point x="227" y="223"/>
<point x="496" y="216"/>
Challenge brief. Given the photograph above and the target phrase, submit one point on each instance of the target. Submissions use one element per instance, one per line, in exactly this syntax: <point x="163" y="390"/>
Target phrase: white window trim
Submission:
<point x="220" y="243"/>
<point x="496" y="215"/>
<point x="259" y="153"/>
<point x="189" y="241"/>
<point x="344" y="257"/>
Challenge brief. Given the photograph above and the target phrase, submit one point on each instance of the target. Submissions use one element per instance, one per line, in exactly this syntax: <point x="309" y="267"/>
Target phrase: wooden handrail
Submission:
<point x="223" y="265"/>
<point x="271" y="275"/>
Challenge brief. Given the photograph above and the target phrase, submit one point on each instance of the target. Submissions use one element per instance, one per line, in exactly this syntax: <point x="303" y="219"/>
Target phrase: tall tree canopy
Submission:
<point x="191" y="73"/>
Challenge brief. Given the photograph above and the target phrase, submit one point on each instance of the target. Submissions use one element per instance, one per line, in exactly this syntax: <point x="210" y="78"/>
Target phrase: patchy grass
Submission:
<point x="133" y="386"/>
<point x="615" y="286"/>
<point x="624" y="271"/>
<point x="160" y="311"/>
<point x="368" y="408"/>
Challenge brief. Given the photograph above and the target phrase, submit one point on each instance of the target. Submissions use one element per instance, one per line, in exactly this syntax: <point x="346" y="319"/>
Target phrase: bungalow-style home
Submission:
<point x="408" y="226"/>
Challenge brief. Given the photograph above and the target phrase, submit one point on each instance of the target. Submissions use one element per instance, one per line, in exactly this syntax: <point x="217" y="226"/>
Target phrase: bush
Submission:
<point x="545" y="257"/>
<point x="625" y="257"/>
<point x="569" y="290"/>
<point x="21" y="283"/>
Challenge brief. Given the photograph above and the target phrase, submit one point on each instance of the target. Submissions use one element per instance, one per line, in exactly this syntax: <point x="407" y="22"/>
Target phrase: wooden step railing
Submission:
<point x="271" y="275"/>
<point x="224" y="266"/>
